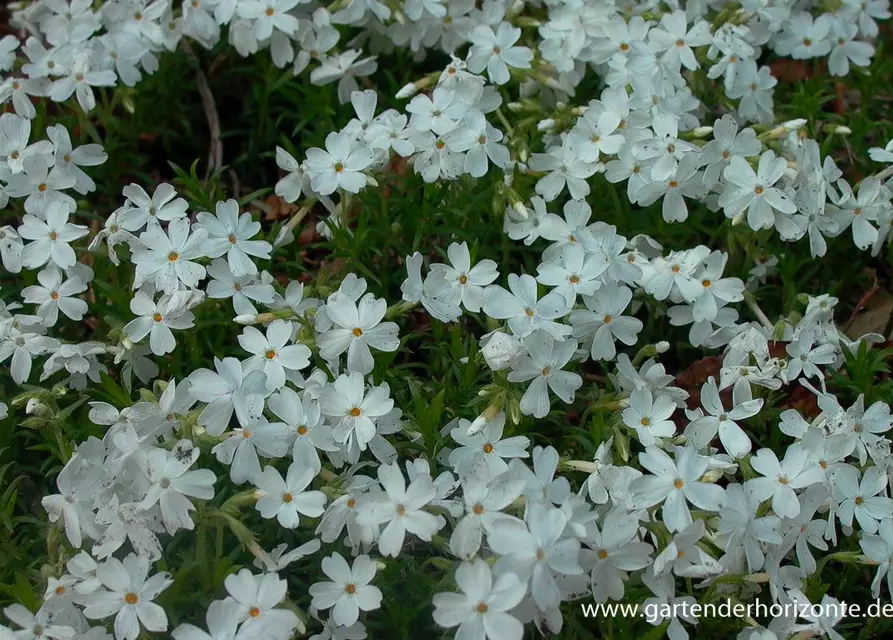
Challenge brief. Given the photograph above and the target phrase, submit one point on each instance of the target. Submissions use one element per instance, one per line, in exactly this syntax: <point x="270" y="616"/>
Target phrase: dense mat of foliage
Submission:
<point x="445" y="318"/>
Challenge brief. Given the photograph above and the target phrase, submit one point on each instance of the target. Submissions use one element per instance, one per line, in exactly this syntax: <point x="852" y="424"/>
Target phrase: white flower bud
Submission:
<point x="545" y="125"/>
<point x="407" y="91"/>
<point x="662" y="347"/>
<point x="499" y="349"/>
<point x="35" y="407"/>
<point x="588" y="466"/>
<point x="476" y="426"/>
<point x="794" y="125"/>
<point x="246" y="319"/>
<point x="702" y="132"/>
<point x="520" y="209"/>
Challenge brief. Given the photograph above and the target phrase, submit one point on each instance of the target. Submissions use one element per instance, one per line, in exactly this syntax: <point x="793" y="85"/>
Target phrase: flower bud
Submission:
<point x="482" y="420"/>
<point x="702" y="132"/>
<point x="838" y="129"/>
<point x="545" y="125"/>
<point x="35" y="407"/>
<point x="520" y="209"/>
<point x="662" y="347"/>
<point x="587" y="466"/>
<point x="246" y="319"/>
<point x="407" y="91"/>
<point x="499" y="349"/>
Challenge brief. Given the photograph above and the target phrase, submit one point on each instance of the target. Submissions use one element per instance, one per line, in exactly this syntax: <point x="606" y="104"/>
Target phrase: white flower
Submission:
<point x="140" y="209"/>
<point x="880" y="549"/>
<point x="860" y="498"/>
<point x="240" y="449"/>
<point x="603" y="322"/>
<point x="285" y="499"/>
<point x="230" y="388"/>
<point x="341" y="165"/>
<point x="272" y="354"/>
<point x="675" y="483"/>
<point x="172" y="483"/>
<point x="242" y="290"/>
<point x="70" y="160"/>
<point x="615" y="550"/>
<point x="257" y="597"/>
<point x="11" y="247"/>
<point x="37" y="626"/>
<point x="401" y="507"/>
<point x="42" y="187"/>
<point x="223" y="621"/>
<point x="740" y="531"/>
<point x="684" y="557"/>
<point x="358" y="326"/>
<point x="755" y="191"/>
<point x="495" y="52"/>
<point x="349" y="591"/>
<point x="53" y="296"/>
<point x="480" y="142"/>
<point x="23" y="346"/>
<point x="51" y="238"/>
<point x="481" y="610"/>
<point x="524" y="312"/>
<point x="701" y="431"/>
<point x="805" y="357"/>
<point x="649" y="416"/>
<point x="488" y="443"/>
<point x="347" y="400"/>
<point x="572" y="272"/>
<point x="269" y="14"/>
<point x="535" y="550"/>
<point x="156" y="319"/>
<point x="302" y="415"/>
<point x="344" y="68"/>
<point x="467" y="283"/>
<point x="167" y="258"/>
<point x="543" y="364"/>
<point x="230" y="233"/>
<point x="781" y="478"/>
<point x="128" y="594"/>
<point x="675" y="40"/>
<point x="485" y="497"/>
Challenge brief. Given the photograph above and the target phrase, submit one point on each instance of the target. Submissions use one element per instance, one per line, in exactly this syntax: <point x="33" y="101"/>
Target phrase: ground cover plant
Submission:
<point x="444" y="319"/>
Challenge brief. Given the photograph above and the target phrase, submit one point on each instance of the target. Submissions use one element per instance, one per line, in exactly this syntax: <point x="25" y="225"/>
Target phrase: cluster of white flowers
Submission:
<point x="301" y="419"/>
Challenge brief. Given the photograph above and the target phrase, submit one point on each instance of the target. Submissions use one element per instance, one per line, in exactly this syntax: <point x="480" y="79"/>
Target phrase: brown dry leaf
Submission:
<point x="874" y="316"/>
<point x="787" y="70"/>
<point x="696" y="375"/>
<point x="277" y="208"/>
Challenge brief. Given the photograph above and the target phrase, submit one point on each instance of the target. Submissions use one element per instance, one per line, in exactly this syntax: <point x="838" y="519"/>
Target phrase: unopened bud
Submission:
<point x="545" y="125"/>
<point x="35" y="407"/>
<point x="407" y="91"/>
<point x="794" y="125"/>
<point x="587" y="466"/>
<point x="246" y="319"/>
<point x="520" y="209"/>
<point x="482" y="420"/>
<point x="702" y="132"/>
<point x="838" y="129"/>
<point x="499" y="349"/>
<point x="662" y="347"/>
